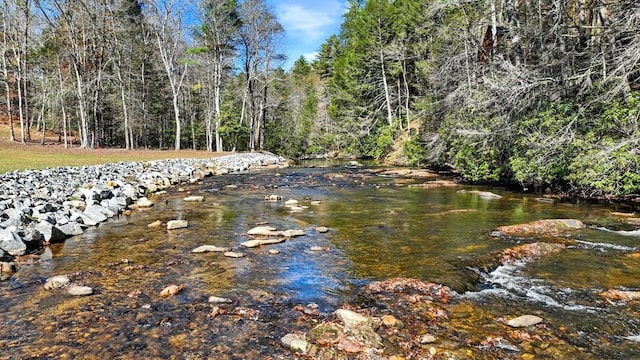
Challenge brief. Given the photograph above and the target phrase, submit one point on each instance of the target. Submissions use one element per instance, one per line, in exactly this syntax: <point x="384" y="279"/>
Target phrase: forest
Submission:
<point x="542" y="94"/>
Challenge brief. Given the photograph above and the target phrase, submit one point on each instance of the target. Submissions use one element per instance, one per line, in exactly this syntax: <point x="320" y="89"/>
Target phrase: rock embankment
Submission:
<point x="47" y="206"/>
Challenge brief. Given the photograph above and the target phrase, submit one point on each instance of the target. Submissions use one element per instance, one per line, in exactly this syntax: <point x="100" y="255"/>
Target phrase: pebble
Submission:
<point x="274" y="252"/>
<point x="322" y="229"/>
<point x="77" y="290"/>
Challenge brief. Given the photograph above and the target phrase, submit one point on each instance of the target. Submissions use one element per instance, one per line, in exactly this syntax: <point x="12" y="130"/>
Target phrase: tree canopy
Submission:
<point x="541" y="93"/>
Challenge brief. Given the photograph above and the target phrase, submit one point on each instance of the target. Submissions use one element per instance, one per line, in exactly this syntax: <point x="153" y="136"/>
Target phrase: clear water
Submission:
<point x="379" y="227"/>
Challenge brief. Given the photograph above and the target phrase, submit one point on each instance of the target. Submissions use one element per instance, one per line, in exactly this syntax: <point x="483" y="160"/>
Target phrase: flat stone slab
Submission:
<point x="194" y="198"/>
<point x="257" y="243"/>
<point x="262" y="231"/>
<point x="543" y="227"/>
<point x="77" y="290"/>
<point x="209" y="248"/>
<point x="177" y="224"/>
<point x="524" y="321"/>
<point x="233" y="254"/>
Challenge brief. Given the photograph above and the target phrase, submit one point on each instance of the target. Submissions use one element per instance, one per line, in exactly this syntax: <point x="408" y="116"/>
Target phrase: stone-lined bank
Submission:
<point x="48" y="206"/>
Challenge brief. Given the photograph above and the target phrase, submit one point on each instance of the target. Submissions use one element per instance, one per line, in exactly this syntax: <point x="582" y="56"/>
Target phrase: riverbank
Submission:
<point x="39" y="207"/>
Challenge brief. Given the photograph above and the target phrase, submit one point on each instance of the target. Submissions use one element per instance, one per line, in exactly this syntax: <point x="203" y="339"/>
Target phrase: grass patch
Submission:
<point x="17" y="156"/>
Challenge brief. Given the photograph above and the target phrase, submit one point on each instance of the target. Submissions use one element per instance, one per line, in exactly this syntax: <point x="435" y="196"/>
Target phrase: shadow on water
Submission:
<point x="379" y="227"/>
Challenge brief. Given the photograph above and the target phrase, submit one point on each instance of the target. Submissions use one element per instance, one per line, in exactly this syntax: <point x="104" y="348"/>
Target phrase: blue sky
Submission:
<point x="307" y="24"/>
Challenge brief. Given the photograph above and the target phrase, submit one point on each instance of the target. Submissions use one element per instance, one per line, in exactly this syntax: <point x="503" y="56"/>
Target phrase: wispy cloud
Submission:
<point x="308" y="22"/>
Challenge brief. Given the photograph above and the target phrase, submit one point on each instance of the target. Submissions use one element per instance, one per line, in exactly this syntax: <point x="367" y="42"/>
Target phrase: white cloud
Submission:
<point x="311" y="56"/>
<point x="309" y="24"/>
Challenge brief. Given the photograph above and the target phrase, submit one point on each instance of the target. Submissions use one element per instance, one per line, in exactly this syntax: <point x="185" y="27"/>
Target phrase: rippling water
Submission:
<point x="379" y="227"/>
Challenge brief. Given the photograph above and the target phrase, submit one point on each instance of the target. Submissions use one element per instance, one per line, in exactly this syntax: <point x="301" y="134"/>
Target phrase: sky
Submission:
<point x="307" y="24"/>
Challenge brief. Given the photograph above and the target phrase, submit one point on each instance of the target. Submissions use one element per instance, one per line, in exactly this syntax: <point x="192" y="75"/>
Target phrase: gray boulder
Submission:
<point x="11" y="243"/>
<point x="51" y="233"/>
<point x="71" y="229"/>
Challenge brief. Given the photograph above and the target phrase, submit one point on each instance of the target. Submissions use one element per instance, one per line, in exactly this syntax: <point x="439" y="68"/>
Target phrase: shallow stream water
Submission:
<point x="380" y="227"/>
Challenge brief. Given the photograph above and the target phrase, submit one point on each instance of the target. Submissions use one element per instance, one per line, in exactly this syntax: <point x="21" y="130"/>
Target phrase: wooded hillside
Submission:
<point x="545" y="93"/>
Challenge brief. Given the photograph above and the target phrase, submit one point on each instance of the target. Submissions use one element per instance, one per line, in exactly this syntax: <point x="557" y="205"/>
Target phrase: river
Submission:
<point x="380" y="226"/>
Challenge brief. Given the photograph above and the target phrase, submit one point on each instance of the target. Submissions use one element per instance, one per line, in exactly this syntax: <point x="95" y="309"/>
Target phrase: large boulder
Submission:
<point x="11" y="243"/>
<point x="51" y="233"/>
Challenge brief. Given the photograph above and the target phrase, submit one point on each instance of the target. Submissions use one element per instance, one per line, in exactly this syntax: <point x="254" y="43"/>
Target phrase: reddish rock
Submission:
<point x="542" y="227"/>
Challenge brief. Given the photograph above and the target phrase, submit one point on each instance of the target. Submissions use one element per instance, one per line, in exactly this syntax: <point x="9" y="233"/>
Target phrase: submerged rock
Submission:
<point x="542" y="227"/>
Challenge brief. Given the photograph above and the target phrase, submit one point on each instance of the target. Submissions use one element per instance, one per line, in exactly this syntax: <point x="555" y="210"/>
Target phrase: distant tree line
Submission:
<point x="543" y="93"/>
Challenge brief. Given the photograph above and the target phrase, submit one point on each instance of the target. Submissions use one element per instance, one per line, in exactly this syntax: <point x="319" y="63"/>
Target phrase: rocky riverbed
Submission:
<point x="209" y="270"/>
<point x="39" y="207"/>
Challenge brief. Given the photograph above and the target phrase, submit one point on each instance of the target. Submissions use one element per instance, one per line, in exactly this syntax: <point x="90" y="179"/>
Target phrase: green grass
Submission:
<point x="17" y="156"/>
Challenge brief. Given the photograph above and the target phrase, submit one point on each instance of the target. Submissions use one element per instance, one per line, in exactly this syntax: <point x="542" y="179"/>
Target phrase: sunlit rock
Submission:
<point x="295" y="342"/>
<point x="257" y="243"/>
<point x="322" y="229"/>
<point x="144" y="202"/>
<point x="292" y="233"/>
<point x="194" y="198"/>
<point x="233" y="254"/>
<point x="57" y="282"/>
<point x="177" y="224"/>
<point x="351" y="319"/>
<point x="542" y="227"/>
<point x="524" y="321"/>
<point x="77" y="290"/>
<point x="52" y="234"/>
<point x="621" y="295"/>
<point x="273" y="198"/>
<point x="154" y="224"/>
<point x="319" y="248"/>
<point x="171" y="290"/>
<point x="219" y="300"/>
<point x="71" y="229"/>
<point x="209" y="248"/>
<point x="262" y="231"/>
<point x="11" y="243"/>
<point x="291" y="202"/>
